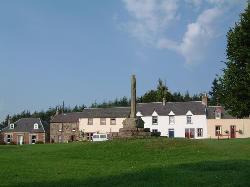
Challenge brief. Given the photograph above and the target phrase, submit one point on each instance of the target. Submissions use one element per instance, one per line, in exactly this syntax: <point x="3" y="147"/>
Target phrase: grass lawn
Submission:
<point x="134" y="162"/>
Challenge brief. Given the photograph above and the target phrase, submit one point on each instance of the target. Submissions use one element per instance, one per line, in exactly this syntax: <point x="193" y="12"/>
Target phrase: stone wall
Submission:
<point x="67" y="134"/>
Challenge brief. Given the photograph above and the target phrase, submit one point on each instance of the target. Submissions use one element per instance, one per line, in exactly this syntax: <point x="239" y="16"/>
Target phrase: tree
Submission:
<point x="214" y="93"/>
<point x="235" y="81"/>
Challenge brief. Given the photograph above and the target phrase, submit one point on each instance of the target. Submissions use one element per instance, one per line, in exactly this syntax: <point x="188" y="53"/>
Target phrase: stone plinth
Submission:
<point x="132" y="128"/>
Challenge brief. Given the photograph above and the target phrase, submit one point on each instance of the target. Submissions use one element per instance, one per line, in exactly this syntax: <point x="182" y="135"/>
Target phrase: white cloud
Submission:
<point x="151" y="19"/>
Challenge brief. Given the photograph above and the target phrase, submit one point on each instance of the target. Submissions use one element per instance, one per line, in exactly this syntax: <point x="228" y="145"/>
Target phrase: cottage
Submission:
<point x="26" y="131"/>
<point x="222" y="125"/>
<point x="175" y="119"/>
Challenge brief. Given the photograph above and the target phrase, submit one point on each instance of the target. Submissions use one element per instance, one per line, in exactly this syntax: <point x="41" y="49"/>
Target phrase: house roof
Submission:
<point x="118" y="112"/>
<point x="26" y="125"/>
<point x="1" y="127"/>
<point x="146" y="109"/>
<point x="211" y="112"/>
<point x="178" y="108"/>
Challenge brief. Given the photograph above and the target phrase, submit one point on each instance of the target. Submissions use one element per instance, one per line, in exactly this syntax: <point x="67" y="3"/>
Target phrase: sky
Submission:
<point x="82" y="52"/>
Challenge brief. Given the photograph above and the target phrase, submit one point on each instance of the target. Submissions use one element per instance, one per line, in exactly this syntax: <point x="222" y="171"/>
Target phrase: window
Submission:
<point x="103" y="136"/>
<point x="199" y="132"/>
<point x="189" y="119"/>
<point x="35" y="126"/>
<point x="33" y="139"/>
<point x="73" y="127"/>
<point x="217" y="115"/>
<point x="112" y="121"/>
<point x="96" y="136"/>
<point x="90" y="121"/>
<point x="60" y="139"/>
<point x="60" y="127"/>
<point x="217" y="130"/>
<point x="189" y="133"/>
<point x="12" y="126"/>
<point x="171" y="119"/>
<point x="89" y="136"/>
<point x="9" y="138"/>
<point x="154" y="130"/>
<point x="154" y="120"/>
<point x="103" y="121"/>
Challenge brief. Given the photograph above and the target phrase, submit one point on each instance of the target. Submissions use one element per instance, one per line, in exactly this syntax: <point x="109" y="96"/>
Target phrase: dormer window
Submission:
<point x="12" y="126"/>
<point x="171" y="120"/>
<point x="35" y="126"/>
<point x="189" y="119"/>
<point x="218" y="113"/>
<point x="154" y="120"/>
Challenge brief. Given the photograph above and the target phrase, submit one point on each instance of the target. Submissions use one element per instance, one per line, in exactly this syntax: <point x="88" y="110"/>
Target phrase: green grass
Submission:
<point x="134" y="162"/>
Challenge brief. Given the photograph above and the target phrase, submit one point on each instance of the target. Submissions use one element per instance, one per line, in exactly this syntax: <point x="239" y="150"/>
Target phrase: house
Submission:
<point x="175" y="119"/>
<point x="102" y="120"/>
<point x="222" y="125"/>
<point x="26" y="131"/>
<point x="82" y="125"/>
<point x="65" y="127"/>
<point x="1" y="135"/>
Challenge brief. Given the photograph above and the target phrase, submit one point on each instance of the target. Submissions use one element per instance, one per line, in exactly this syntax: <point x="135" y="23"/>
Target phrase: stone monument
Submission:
<point x="133" y="126"/>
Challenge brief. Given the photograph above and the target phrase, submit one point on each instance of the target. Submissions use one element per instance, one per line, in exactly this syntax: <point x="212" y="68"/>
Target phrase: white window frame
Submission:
<point x="154" y="130"/>
<point x="10" y="138"/>
<point x="220" y="130"/>
<point x="171" y="121"/>
<point x="73" y="125"/>
<point x="154" y="118"/>
<point x="31" y="138"/>
<point x="35" y="126"/>
<point x="12" y="126"/>
<point x="189" y="121"/>
<point x="90" y="120"/>
<point x="217" y="115"/>
<point x="60" y="126"/>
<point x="198" y="132"/>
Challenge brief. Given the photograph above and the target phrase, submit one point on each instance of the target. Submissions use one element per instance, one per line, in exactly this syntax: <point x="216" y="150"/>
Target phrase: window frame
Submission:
<point x="31" y="138"/>
<point x="12" y="126"/>
<point x="189" y="121"/>
<point x="35" y="126"/>
<point x="90" y="119"/>
<point x="10" y="138"/>
<point x="60" y="127"/>
<point x="104" y="121"/>
<point x="111" y="121"/>
<point x="220" y="130"/>
<point x="154" y="118"/>
<point x="59" y="138"/>
<point x="200" y="133"/>
<point x="171" y="116"/>
<point x="73" y="129"/>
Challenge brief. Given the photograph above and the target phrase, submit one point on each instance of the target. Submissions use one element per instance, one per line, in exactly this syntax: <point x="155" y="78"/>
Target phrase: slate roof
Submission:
<point x="178" y="108"/>
<point x="118" y="112"/>
<point x="211" y="112"/>
<point x="26" y="125"/>
<point x="1" y="127"/>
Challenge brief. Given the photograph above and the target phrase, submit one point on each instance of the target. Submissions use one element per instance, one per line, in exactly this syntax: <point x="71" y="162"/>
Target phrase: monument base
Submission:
<point x="132" y="128"/>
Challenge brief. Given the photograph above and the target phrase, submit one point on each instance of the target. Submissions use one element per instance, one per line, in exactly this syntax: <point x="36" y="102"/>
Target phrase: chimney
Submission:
<point x="9" y="120"/>
<point x="204" y="99"/>
<point x="57" y="111"/>
<point x="164" y="101"/>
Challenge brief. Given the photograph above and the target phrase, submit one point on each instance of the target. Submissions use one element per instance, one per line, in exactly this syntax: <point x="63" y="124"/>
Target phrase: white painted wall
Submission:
<point x="198" y="121"/>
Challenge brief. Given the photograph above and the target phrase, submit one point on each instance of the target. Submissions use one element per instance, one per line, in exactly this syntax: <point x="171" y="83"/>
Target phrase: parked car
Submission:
<point x="100" y="137"/>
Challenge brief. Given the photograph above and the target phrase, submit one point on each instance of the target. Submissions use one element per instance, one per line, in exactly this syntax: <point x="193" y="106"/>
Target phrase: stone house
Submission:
<point x="65" y="127"/>
<point x="222" y="125"/>
<point x="26" y="131"/>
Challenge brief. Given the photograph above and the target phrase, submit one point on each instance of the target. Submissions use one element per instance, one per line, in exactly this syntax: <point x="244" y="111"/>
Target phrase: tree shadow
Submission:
<point x="207" y="173"/>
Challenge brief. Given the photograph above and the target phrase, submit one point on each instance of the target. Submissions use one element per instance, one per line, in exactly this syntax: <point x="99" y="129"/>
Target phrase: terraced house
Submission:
<point x="26" y="131"/>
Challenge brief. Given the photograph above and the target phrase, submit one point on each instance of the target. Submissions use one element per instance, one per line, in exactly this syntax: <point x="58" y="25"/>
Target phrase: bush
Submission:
<point x="39" y="142"/>
<point x="146" y="129"/>
<point x="155" y="134"/>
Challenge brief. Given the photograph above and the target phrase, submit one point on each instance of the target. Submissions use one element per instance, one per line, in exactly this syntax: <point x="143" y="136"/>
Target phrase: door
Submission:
<point x="20" y="140"/>
<point x="171" y="133"/>
<point x="187" y="134"/>
<point x="232" y="131"/>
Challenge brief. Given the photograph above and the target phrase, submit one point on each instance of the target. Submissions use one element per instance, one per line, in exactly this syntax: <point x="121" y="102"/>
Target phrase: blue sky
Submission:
<point x="86" y="51"/>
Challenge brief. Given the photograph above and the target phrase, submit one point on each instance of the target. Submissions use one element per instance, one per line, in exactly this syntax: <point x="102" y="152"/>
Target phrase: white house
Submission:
<point x="175" y="119"/>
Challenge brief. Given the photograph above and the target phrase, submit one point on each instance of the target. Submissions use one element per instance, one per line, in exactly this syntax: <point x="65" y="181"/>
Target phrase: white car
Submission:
<point x="100" y="137"/>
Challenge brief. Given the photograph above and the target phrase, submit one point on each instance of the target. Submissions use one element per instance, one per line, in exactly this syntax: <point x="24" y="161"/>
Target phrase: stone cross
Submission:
<point x="133" y="98"/>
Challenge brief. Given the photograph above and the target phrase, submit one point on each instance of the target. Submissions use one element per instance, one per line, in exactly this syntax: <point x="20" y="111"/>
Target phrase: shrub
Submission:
<point x="155" y="134"/>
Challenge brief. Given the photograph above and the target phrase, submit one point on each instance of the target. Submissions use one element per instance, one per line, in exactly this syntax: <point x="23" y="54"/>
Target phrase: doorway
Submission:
<point x="232" y="131"/>
<point x="171" y="133"/>
<point x="20" y="139"/>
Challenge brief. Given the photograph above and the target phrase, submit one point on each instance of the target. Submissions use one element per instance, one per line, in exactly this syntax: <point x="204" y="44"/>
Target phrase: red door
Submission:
<point x="187" y="133"/>
<point x="232" y="131"/>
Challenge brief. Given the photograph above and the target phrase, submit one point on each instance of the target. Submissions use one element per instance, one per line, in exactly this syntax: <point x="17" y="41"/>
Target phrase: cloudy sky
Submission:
<point x="85" y="51"/>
